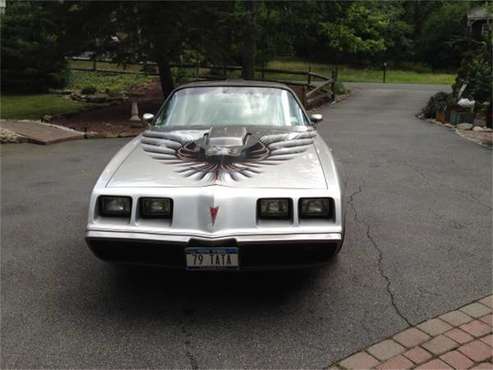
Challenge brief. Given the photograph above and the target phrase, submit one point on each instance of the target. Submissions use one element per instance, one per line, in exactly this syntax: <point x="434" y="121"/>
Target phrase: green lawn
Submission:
<point x="347" y="74"/>
<point x="36" y="106"/>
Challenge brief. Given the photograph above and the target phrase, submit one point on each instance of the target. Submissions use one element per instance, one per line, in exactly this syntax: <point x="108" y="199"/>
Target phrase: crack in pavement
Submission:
<point x="380" y="257"/>
<point x="387" y="279"/>
<point x="351" y="204"/>
<point x="193" y="360"/>
<point x="188" y="353"/>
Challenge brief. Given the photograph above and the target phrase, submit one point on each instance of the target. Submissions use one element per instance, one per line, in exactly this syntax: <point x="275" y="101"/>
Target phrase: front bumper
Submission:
<point x="255" y="251"/>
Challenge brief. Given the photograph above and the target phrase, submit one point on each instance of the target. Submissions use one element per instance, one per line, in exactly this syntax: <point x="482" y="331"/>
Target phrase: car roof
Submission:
<point x="239" y="83"/>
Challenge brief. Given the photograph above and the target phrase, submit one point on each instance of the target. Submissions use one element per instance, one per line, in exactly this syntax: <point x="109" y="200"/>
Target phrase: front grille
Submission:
<point x="139" y="252"/>
<point x="259" y="255"/>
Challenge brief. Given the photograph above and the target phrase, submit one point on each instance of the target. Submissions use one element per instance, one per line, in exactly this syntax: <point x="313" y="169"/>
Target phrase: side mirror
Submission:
<point x="148" y="117"/>
<point x="316" y="117"/>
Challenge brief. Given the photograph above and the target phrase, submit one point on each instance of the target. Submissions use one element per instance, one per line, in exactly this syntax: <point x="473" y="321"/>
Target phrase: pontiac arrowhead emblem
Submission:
<point x="213" y="211"/>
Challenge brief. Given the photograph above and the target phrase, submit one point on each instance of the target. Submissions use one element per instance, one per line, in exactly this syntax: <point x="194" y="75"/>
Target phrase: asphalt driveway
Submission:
<point x="418" y="244"/>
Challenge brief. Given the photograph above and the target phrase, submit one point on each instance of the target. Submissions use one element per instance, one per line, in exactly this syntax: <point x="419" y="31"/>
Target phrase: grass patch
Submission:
<point x="106" y="82"/>
<point x="348" y="74"/>
<point x="36" y="106"/>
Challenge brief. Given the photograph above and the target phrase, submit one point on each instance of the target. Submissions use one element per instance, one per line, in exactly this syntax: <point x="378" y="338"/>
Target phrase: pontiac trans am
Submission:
<point x="229" y="175"/>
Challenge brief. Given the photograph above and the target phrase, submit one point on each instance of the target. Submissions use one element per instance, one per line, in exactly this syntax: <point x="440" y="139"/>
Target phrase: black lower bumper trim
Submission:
<point x="251" y="255"/>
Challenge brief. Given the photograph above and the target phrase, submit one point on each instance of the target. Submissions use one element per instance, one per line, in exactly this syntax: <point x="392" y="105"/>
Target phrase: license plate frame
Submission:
<point x="212" y="258"/>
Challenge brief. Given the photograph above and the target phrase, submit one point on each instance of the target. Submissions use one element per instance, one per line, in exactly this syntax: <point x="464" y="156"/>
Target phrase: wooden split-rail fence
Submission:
<point x="312" y="88"/>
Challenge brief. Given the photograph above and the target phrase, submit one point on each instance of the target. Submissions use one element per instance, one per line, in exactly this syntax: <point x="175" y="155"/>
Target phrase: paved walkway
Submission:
<point x="39" y="132"/>
<point x="460" y="339"/>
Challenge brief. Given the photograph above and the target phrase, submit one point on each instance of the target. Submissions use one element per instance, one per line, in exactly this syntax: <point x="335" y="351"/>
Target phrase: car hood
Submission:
<point x="252" y="157"/>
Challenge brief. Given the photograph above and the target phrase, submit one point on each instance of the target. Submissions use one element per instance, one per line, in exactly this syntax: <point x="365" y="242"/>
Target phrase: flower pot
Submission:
<point x="440" y="117"/>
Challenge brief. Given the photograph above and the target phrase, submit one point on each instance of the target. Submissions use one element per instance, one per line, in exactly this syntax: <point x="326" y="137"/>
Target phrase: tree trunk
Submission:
<point x="249" y="47"/>
<point x="165" y="76"/>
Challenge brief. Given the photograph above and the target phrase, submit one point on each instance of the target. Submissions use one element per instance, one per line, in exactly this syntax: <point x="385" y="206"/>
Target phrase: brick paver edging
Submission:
<point x="460" y="339"/>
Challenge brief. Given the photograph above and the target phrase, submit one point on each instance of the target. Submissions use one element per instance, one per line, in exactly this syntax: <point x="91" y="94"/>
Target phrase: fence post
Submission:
<point x="94" y="62"/>
<point x="333" y="83"/>
<point x="197" y="70"/>
<point x="309" y="75"/>
<point x="384" y="72"/>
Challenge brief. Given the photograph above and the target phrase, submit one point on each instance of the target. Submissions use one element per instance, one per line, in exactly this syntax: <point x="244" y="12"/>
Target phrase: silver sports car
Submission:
<point x="230" y="175"/>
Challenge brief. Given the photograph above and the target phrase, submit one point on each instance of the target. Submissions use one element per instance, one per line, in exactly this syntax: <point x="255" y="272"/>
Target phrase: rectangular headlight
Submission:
<point x="316" y="208"/>
<point x="115" y="206"/>
<point x="274" y="208"/>
<point x="156" y="207"/>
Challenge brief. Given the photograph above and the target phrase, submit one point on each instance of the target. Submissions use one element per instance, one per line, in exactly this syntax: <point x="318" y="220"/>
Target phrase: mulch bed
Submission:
<point x="113" y="121"/>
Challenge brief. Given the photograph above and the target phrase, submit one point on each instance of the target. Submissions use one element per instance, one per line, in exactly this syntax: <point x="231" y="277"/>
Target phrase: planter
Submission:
<point x="440" y="117"/>
<point x="461" y="117"/>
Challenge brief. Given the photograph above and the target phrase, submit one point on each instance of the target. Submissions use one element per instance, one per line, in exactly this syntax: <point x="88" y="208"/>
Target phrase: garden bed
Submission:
<point x="114" y="120"/>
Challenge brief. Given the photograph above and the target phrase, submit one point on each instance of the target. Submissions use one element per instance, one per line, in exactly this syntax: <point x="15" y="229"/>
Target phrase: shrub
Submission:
<point x="476" y="73"/>
<point x="437" y="103"/>
<point x="32" y="59"/>
<point x="107" y="82"/>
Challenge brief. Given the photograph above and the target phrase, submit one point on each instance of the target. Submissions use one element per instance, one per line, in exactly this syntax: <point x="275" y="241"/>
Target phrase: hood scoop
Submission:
<point x="225" y="141"/>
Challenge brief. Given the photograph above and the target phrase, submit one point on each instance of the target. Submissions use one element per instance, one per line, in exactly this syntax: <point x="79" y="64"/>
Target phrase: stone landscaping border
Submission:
<point x="460" y="339"/>
<point x="10" y="137"/>
<point x="477" y="134"/>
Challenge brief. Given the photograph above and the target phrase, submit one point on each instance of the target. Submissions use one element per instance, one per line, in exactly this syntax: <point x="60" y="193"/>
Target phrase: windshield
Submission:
<point x="231" y="106"/>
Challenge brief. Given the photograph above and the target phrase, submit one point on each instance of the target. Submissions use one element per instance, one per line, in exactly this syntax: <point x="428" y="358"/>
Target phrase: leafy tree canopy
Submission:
<point x="37" y="34"/>
<point x="32" y="56"/>
<point x="359" y="31"/>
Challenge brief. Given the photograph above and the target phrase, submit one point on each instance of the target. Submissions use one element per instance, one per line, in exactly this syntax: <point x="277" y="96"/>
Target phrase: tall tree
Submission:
<point x="32" y="56"/>
<point x="358" y="31"/>
<point x="160" y="32"/>
<point x="249" y="42"/>
<point x="443" y="39"/>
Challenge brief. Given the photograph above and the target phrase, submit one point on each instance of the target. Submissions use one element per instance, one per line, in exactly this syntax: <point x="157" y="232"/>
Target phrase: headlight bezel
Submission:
<point x="105" y="212"/>
<point x="287" y="217"/>
<point x="144" y="213"/>
<point x="329" y="213"/>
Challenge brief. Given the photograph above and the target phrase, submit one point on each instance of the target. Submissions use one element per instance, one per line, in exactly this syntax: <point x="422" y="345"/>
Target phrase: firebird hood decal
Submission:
<point x="224" y="153"/>
<point x="256" y="157"/>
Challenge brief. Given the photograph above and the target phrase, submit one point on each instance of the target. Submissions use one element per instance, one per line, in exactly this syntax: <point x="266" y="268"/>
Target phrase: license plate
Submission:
<point x="213" y="258"/>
